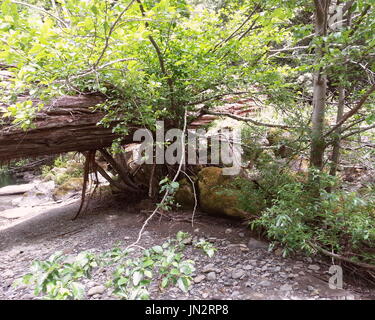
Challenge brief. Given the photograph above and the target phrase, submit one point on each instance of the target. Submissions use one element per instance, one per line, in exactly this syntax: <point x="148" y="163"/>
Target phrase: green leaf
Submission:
<point x="164" y="282"/>
<point x="157" y="249"/>
<point x="183" y="283"/>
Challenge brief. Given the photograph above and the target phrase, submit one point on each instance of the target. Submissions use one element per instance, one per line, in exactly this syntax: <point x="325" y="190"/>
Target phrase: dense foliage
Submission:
<point x="312" y="63"/>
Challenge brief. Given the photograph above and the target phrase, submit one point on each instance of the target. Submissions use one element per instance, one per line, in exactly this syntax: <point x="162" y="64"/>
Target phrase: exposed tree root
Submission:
<point x="89" y="164"/>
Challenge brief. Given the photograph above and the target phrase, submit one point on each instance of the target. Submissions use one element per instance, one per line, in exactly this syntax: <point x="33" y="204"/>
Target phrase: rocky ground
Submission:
<point x="242" y="268"/>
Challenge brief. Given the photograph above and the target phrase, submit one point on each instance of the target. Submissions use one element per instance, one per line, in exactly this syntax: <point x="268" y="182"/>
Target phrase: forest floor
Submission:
<point x="242" y="268"/>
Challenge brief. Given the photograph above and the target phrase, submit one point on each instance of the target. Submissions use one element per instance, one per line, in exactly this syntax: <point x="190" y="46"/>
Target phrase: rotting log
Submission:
<point x="69" y="123"/>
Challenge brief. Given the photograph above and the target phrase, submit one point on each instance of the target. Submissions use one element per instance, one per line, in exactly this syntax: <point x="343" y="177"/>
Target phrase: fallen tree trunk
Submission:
<point x="67" y="124"/>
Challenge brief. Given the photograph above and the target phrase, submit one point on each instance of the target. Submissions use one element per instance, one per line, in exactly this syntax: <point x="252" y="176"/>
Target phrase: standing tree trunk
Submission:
<point x="319" y="95"/>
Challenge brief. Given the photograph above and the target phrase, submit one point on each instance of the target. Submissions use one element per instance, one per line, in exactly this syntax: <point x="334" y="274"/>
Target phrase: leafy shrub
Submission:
<point x="256" y="195"/>
<point x="339" y="221"/>
<point x="71" y="169"/>
<point x="59" y="277"/>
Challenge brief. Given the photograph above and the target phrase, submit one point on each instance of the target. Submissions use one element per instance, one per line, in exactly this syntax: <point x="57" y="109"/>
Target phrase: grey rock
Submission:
<point x="96" y="290"/>
<point x="28" y="296"/>
<point x="209" y="268"/>
<point x="188" y="241"/>
<point x="235" y="293"/>
<point x="8" y="274"/>
<point x="205" y="295"/>
<point x="314" y="267"/>
<point x="256" y="244"/>
<point x="227" y="231"/>
<point x="286" y="287"/>
<point x="211" y="276"/>
<point x="279" y="252"/>
<point x="16" y="189"/>
<point x="199" y="278"/>
<point x="238" y="274"/>
<point x="265" y="283"/>
<point x="310" y="288"/>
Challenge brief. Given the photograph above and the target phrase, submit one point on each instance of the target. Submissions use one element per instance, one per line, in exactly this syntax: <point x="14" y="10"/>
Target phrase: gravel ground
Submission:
<point x="242" y="268"/>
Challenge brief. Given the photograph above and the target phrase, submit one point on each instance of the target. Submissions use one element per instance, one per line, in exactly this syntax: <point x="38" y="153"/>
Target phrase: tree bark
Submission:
<point x="320" y="88"/>
<point x="68" y="124"/>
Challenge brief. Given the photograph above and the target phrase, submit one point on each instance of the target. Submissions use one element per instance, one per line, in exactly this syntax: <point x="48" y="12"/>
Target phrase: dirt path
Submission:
<point x="241" y="269"/>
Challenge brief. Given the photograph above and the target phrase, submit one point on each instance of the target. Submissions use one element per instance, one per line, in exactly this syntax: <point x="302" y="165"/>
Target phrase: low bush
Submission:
<point x="60" y="277"/>
<point x="339" y="221"/>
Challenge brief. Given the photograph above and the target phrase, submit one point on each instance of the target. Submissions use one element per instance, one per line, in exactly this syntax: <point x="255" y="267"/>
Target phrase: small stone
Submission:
<point x="188" y="241"/>
<point x="310" y="288"/>
<point x="248" y="284"/>
<point x="199" y="278"/>
<point x="278" y="252"/>
<point x="286" y="287"/>
<point x="8" y="274"/>
<point x="256" y="244"/>
<point x="209" y="268"/>
<point x="265" y="283"/>
<point x="350" y="297"/>
<point x="314" y="267"/>
<point x="235" y="293"/>
<point x="237" y="274"/>
<point x="28" y="296"/>
<point x="228" y="231"/>
<point x="248" y="267"/>
<point x="205" y="295"/>
<point x="96" y="290"/>
<point x="241" y="234"/>
<point x="211" y="276"/>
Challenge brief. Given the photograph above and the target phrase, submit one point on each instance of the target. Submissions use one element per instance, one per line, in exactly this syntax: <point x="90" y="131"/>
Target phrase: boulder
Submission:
<point x="73" y="185"/>
<point x="16" y="189"/>
<point x="17" y="213"/>
<point x="185" y="194"/>
<point x="39" y="194"/>
<point x="215" y="194"/>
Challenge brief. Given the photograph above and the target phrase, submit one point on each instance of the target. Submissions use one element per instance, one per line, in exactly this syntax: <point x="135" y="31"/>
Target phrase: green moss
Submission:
<point x="73" y="184"/>
<point x="215" y="198"/>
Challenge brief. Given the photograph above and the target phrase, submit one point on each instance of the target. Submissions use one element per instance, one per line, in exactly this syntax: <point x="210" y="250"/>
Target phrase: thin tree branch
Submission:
<point x="40" y="9"/>
<point x="257" y="123"/>
<point x="353" y="111"/>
